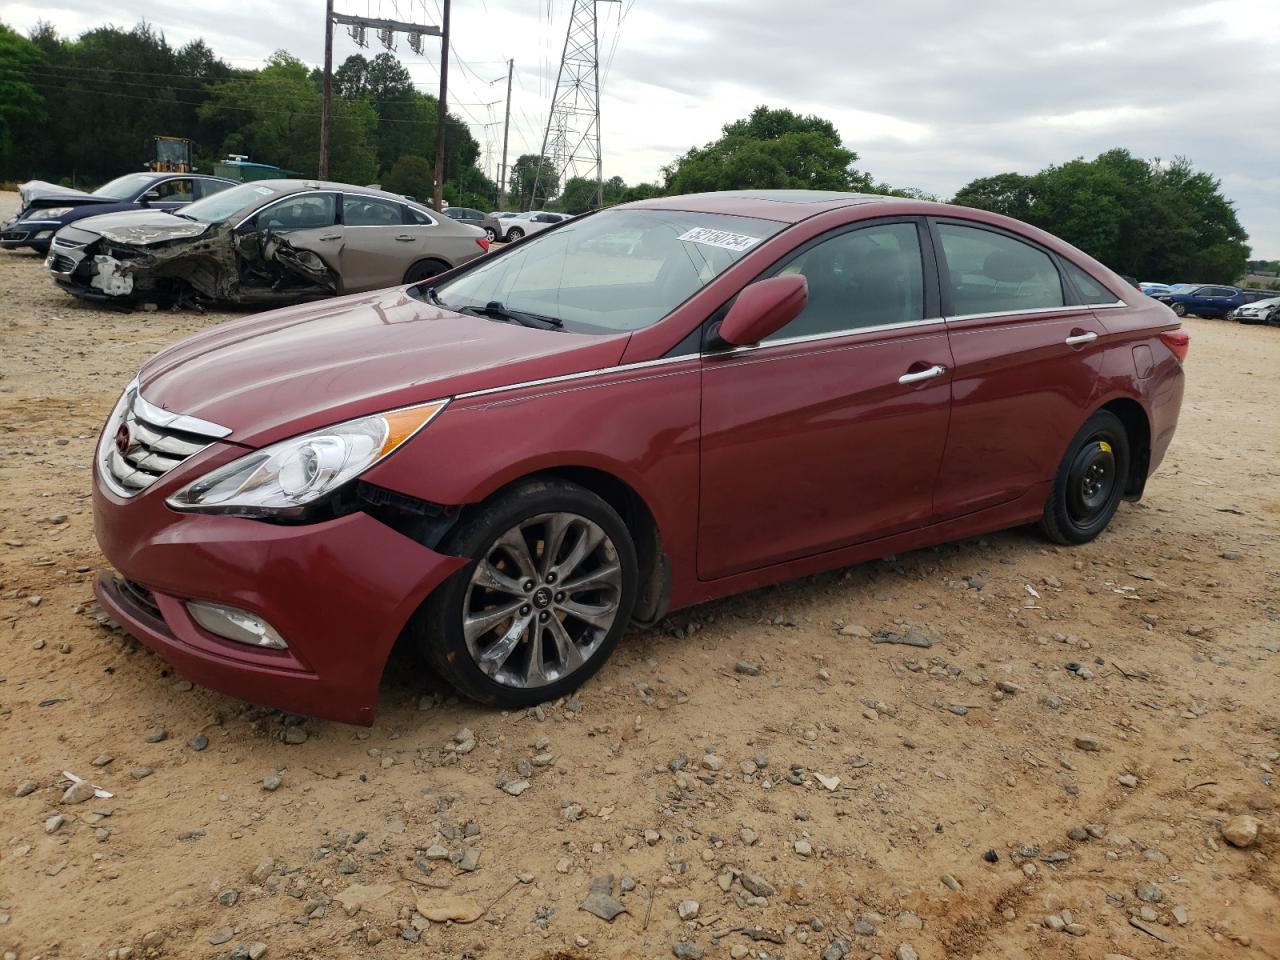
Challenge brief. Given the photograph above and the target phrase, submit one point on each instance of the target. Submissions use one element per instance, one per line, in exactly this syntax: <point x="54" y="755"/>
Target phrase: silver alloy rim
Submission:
<point x="541" y="600"/>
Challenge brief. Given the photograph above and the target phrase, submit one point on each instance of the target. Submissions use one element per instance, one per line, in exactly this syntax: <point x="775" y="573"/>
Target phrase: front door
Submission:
<point x="829" y="432"/>
<point x="1026" y="366"/>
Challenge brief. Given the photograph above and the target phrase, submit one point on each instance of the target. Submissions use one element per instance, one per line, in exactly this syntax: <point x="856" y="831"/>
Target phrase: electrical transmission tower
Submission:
<point x="571" y="145"/>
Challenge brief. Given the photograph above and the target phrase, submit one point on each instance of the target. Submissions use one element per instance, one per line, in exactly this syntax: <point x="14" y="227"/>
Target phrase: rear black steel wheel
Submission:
<point x="1090" y="481"/>
<point x="548" y="593"/>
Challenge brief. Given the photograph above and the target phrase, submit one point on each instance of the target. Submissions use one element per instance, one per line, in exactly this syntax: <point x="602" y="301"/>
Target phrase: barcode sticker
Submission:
<point x="719" y="238"/>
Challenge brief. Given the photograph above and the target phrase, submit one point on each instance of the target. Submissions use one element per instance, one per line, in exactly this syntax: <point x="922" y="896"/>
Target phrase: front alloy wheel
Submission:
<point x="548" y="594"/>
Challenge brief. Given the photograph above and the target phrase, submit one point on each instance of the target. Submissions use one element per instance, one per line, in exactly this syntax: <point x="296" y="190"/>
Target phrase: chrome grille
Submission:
<point x="142" y="442"/>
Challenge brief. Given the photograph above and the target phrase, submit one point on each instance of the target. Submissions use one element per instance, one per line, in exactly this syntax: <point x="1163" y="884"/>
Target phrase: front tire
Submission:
<point x="1179" y="309"/>
<point x="491" y="234"/>
<point x="1090" y="481"/>
<point x="548" y="593"/>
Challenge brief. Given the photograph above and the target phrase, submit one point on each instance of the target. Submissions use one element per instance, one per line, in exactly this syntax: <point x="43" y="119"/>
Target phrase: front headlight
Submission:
<point x="51" y="212"/>
<point x="282" y="479"/>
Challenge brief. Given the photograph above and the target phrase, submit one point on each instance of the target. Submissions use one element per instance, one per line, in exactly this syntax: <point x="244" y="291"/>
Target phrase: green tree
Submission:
<point x="21" y="105"/>
<point x="411" y="175"/>
<point x="527" y="172"/>
<point x="1140" y="217"/>
<point x="771" y="149"/>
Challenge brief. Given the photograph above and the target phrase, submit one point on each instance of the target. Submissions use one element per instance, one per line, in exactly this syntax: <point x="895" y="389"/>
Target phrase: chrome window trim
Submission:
<point x="288" y="196"/>
<point x="1070" y="308"/>
<point x="581" y="375"/>
<point x="832" y="335"/>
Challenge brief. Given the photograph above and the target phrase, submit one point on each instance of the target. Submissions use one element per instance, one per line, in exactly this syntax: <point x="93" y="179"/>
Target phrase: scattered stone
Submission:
<point x="836" y="950"/>
<point x="359" y="895"/>
<point x="1078" y="834"/>
<point x="912" y="638"/>
<point x="271" y="782"/>
<point x="1150" y="930"/>
<point x="959" y="709"/>
<point x="864" y="927"/>
<point x="757" y="885"/>
<point x="102" y="759"/>
<point x="263" y="870"/>
<point x="686" y="950"/>
<point x="1008" y="686"/>
<point x="1241" y="831"/>
<point x="950" y="882"/>
<point x="515" y="787"/>
<point x="229" y="897"/>
<point x="1181" y="915"/>
<point x="599" y="901"/>
<point x="295" y="735"/>
<point x="51" y="824"/>
<point x="747" y="668"/>
<point x="157" y="734"/>
<point x="1149" y="892"/>
<point x="258" y="950"/>
<point x="687" y="909"/>
<point x="443" y="907"/>
<point x="905" y="952"/>
<point x="854" y="630"/>
<point x="1055" y="923"/>
<point x="991" y="856"/>
<point x="804" y="848"/>
<point x="141" y="773"/>
<point x="221" y="936"/>
<point x="198" y="742"/>
<point x="78" y="792"/>
<point x="1077" y="929"/>
<point x="1088" y="744"/>
<point x="1127" y="780"/>
<point x="26" y="788"/>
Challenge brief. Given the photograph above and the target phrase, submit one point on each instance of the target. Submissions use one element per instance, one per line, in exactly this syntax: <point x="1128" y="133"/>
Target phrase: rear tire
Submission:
<point x="549" y="591"/>
<point x="424" y="270"/>
<point x="1090" y="481"/>
<point x="514" y="234"/>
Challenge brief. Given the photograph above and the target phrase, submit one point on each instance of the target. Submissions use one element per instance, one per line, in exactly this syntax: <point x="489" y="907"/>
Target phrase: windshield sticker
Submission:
<point x="719" y="238"/>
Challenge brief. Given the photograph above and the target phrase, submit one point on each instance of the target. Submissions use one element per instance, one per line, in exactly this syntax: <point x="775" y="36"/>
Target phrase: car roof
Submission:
<point x="298" y="185"/>
<point x="787" y="206"/>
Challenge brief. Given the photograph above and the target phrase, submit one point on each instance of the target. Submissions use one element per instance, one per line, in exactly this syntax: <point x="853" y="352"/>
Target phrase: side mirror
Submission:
<point x="151" y="195"/>
<point x="763" y="308"/>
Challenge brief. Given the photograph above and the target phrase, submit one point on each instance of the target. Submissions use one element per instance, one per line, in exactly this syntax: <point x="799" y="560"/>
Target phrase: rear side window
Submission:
<point x="1090" y="290"/>
<point x="864" y="278"/>
<point x="994" y="273"/>
<point x="370" y="212"/>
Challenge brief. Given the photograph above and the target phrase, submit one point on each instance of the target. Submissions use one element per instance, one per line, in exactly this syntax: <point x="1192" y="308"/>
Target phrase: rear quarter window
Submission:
<point x="1090" y="289"/>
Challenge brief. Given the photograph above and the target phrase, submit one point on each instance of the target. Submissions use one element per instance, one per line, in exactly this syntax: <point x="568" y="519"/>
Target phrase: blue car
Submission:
<point x="1204" y="299"/>
<point x="47" y="207"/>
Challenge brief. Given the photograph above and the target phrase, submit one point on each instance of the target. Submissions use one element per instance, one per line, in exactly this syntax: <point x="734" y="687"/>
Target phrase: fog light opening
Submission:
<point x="237" y="625"/>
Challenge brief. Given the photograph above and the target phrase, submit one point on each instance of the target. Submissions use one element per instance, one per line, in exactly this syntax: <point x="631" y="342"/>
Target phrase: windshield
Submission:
<point x="124" y="188"/>
<point x="616" y="271"/>
<point x="224" y="204"/>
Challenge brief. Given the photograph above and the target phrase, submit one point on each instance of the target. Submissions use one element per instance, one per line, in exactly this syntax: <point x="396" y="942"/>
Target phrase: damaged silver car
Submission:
<point x="268" y="242"/>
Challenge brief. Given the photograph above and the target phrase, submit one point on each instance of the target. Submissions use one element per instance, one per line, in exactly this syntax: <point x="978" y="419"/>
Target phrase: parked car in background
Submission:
<point x="649" y="407"/>
<point x="1266" y="310"/>
<point x="475" y="218"/>
<point x="530" y="222"/>
<point x="47" y="207"/>
<point x="1203" y="300"/>
<point x="1152" y="289"/>
<point x="269" y="241"/>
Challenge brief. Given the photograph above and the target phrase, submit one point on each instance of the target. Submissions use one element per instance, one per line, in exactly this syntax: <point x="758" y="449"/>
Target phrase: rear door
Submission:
<point x="379" y="245"/>
<point x="829" y="432"/>
<point x="1027" y="358"/>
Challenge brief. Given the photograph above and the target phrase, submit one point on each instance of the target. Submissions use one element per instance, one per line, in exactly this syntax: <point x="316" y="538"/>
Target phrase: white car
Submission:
<point x="1260" y="311"/>
<point x="531" y="221"/>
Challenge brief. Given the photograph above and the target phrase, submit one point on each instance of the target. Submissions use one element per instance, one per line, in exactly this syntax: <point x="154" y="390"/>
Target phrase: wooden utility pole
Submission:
<point x="442" y="108"/>
<point x="506" y="127"/>
<point x="326" y="99"/>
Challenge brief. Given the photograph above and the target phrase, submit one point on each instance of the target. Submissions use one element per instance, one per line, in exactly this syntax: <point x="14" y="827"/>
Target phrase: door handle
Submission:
<point x="405" y="237"/>
<point x="332" y="236"/>
<point x="936" y="370"/>
<point x="1078" y="338"/>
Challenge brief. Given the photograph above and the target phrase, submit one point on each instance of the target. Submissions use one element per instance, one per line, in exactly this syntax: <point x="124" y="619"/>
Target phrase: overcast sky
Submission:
<point x="930" y="93"/>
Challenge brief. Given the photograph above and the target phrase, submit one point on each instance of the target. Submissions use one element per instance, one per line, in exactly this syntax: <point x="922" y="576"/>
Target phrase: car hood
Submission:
<point x="141" y="228"/>
<point x="288" y="371"/>
<point x="45" y="194"/>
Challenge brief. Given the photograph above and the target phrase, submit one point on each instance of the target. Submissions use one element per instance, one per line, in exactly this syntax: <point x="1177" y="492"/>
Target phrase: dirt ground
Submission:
<point x="1092" y="738"/>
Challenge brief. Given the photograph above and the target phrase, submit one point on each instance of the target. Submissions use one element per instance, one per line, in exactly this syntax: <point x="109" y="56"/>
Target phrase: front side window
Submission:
<point x="370" y="212"/>
<point x="994" y="273"/>
<point x="869" y="277"/>
<point x="1091" y="291"/>
<point x="611" y="272"/>
<point x="181" y="190"/>
<point x="304" y="212"/>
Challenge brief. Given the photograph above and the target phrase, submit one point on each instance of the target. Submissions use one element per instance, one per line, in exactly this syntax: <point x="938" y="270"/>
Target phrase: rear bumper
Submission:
<point x="339" y="592"/>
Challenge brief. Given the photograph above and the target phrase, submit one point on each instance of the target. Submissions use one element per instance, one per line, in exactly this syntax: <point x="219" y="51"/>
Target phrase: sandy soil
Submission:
<point x="1172" y="618"/>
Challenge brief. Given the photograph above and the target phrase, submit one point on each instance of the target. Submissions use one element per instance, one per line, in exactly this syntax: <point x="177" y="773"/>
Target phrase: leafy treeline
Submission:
<point x="87" y="109"/>
<point x="1150" y="220"/>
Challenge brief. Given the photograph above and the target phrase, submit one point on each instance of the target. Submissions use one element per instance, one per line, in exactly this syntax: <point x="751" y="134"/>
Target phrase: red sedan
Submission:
<point x="631" y="412"/>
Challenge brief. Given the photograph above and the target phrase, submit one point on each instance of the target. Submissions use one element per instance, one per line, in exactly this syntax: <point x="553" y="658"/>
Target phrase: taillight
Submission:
<point x="483" y="243"/>
<point x="1178" y="342"/>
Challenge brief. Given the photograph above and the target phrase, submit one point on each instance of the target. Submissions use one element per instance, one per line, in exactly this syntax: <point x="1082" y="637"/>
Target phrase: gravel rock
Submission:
<point x="687" y="909"/>
<point x="157" y="734"/>
<point x="1241" y="831"/>
<point x="1055" y="923"/>
<point x="757" y="885"/>
<point x="905" y="952"/>
<point x="599" y="901"/>
<point x="1148" y="892"/>
<point x="271" y="782"/>
<point x="26" y="788"/>
<point x="1127" y="780"/>
<point x="198" y="742"/>
<point x="1088" y="744"/>
<point x="836" y="950"/>
<point x="687" y="950"/>
<point x="747" y="668"/>
<point x="141" y="773"/>
<point x="515" y="787"/>
<point x="221" y="936"/>
<point x="228" y="897"/>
